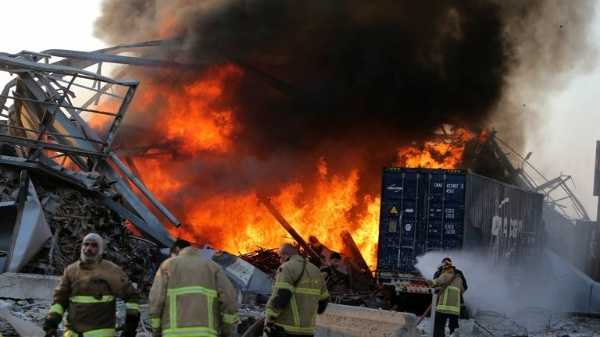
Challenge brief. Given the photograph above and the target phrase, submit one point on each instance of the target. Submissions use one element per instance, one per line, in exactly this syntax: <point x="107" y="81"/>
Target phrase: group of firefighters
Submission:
<point x="192" y="297"/>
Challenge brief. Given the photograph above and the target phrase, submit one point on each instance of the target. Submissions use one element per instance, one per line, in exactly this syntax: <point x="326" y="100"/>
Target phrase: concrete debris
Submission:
<point x="22" y="318"/>
<point x="27" y="286"/>
<point x="342" y="320"/>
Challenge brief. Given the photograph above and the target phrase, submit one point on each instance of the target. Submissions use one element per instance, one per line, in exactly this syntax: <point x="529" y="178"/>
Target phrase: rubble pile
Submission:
<point x="266" y="260"/>
<point x="71" y="214"/>
<point x="29" y="310"/>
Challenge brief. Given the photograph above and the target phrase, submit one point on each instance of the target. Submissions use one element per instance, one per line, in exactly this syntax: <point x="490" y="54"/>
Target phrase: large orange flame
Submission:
<point x="193" y="115"/>
<point x="197" y="121"/>
<point x="239" y="223"/>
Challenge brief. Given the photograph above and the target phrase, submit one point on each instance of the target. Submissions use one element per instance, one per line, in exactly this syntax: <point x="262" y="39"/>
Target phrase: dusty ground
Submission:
<point x="35" y="311"/>
<point x="531" y="323"/>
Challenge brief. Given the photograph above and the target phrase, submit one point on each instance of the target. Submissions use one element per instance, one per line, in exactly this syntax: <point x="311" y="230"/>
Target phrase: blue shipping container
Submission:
<point x="426" y="210"/>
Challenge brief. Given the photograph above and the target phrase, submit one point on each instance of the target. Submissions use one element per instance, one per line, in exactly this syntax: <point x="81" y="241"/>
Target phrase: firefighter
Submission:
<point x="191" y="296"/>
<point x="87" y="292"/>
<point x="299" y="294"/>
<point x="463" y="309"/>
<point x="450" y="288"/>
<point x="448" y="261"/>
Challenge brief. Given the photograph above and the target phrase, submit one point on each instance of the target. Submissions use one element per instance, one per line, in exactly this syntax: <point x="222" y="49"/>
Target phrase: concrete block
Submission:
<point x="23" y="286"/>
<point x="347" y="321"/>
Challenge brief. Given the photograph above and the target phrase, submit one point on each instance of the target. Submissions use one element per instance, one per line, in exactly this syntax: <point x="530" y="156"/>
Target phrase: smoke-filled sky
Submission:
<point x="550" y="91"/>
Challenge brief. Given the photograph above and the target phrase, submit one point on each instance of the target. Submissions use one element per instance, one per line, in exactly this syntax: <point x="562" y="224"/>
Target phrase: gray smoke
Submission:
<point x="550" y="283"/>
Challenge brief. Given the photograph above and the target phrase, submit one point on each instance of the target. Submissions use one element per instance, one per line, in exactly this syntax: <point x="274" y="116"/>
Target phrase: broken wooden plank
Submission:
<point x="286" y="225"/>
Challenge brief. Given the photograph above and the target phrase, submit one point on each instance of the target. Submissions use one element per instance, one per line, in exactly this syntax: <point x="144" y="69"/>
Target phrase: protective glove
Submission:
<point x="131" y="323"/>
<point x="51" y="324"/>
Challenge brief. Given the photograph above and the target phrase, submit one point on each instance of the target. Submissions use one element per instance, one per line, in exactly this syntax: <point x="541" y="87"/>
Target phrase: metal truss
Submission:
<point x="40" y="117"/>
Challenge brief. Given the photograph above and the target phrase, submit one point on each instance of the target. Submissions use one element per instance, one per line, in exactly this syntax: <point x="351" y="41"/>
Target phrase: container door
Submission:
<point x="390" y="219"/>
<point x="435" y="218"/>
<point x="454" y="211"/>
<point x="445" y="204"/>
<point x="413" y="205"/>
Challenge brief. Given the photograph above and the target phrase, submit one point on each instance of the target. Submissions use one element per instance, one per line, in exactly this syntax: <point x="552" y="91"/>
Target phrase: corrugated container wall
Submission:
<point x="426" y="210"/>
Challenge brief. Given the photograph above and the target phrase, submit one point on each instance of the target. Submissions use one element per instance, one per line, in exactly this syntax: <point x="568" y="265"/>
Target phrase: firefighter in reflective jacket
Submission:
<point x="191" y="296"/>
<point x="450" y="285"/>
<point x="87" y="291"/>
<point x="299" y="293"/>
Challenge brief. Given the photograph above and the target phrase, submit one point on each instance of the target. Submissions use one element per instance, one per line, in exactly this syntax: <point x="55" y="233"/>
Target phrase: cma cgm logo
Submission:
<point x="394" y="188"/>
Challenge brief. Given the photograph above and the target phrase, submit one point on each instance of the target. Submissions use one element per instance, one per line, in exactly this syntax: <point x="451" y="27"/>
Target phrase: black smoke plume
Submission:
<point x="350" y="80"/>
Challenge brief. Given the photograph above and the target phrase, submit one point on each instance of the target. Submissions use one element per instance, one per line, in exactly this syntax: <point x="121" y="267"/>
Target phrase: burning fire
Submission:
<point x="324" y="204"/>
<point x="239" y="223"/>
<point x="197" y="119"/>
<point x="444" y="154"/>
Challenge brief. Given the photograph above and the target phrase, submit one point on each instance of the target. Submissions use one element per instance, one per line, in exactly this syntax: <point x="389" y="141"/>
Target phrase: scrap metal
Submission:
<point x="46" y="129"/>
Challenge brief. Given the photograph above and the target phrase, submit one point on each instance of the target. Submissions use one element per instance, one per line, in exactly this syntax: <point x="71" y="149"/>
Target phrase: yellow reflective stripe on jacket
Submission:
<point x="447" y="309"/>
<point x="194" y="331"/>
<point x="91" y="299"/>
<point x="92" y="333"/>
<point x="192" y="290"/>
<point x="295" y="313"/>
<point x="308" y="291"/>
<point x="155" y="323"/>
<point x="229" y="318"/>
<point x="452" y="308"/>
<point x="291" y="328"/>
<point x="456" y="296"/>
<point x="132" y="306"/>
<point x="210" y="294"/>
<point x="100" y="333"/>
<point x="57" y="309"/>
<point x="209" y="306"/>
<point x="283" y="285"/>
<point x="296" y="328"/>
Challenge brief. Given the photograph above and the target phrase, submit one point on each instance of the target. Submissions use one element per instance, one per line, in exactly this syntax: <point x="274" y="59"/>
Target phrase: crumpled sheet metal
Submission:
<point x="30" y="233"/>
<point x="244" y="276"/>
